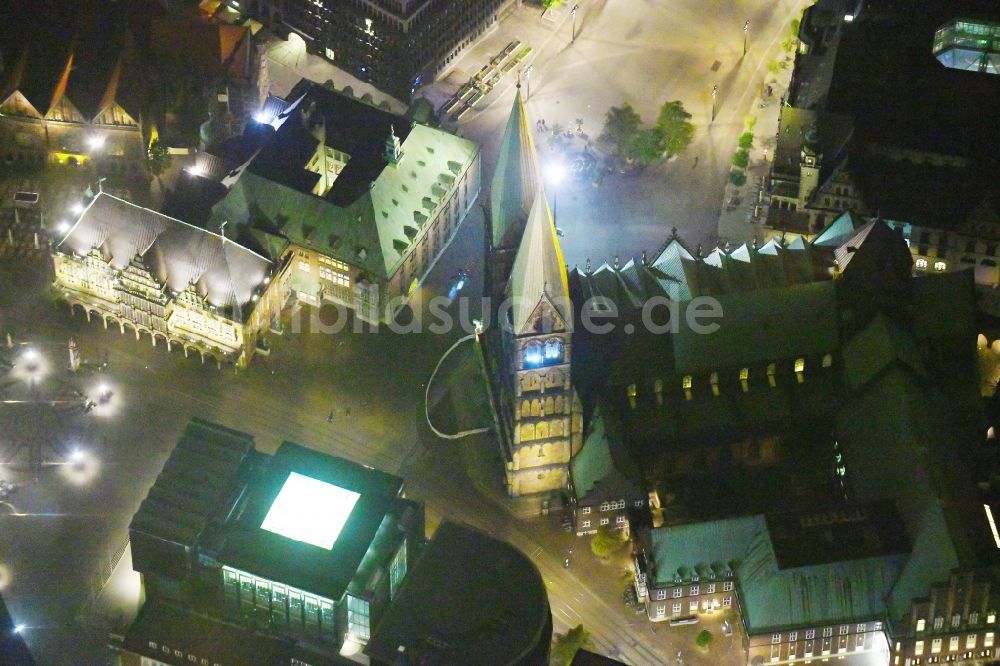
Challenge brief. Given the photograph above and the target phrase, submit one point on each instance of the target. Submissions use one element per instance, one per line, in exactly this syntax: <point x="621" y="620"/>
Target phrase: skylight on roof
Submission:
<point x="310" y="511"/>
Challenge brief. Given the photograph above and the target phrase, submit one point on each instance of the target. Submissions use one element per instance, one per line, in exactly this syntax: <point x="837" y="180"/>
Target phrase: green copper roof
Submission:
<point x="377" y="230"/>
<point x="594" y="462"/>
<point x="516" y="179"/>
<point x="703" y="548"/>
<point x="812" y="595"/>
<point x="539" y="270"/>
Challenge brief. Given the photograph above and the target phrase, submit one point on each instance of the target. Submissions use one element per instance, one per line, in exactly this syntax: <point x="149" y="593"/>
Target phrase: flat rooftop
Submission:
<point x="470" y="599"/>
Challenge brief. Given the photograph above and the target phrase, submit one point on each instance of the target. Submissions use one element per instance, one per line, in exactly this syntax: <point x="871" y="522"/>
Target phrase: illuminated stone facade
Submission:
<point x="174" y="283"/>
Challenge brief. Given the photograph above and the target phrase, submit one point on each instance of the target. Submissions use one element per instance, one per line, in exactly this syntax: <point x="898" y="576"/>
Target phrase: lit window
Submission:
<point x="727" y="586"/>
<point x="970" y="641"/>
<point x="533" y="355"/>
<point x="800" y="365"/>
<point x="952" y="643"/>
<point x="921" y="264"/>
<point x="620" y="520"/>
<point x="918" y="648"/>
<point x="677" y="592"/>
<point x="920" y="624"/>
<point x="810" y="634"/>
<point x="710" y="588"/>
<point x="988" y="639"/>
<point x="844" y="630"/>
<point x="553" y="350"/>
<point x="827" y="632"/>
<point x="744" y="374"/>
<point x="936" y="645"/>
<point x="585" y="510"/>
<point x="862" y="628"/>
<point x="775" y="638"/>
<point x="938" y="622"/>
<point x="996" y="540"/>
<point x="605" y="521"/>
<point x="676" y="609"/>
<point x="605" y="506"/>
<point x="939" y="265"/>
<point x="727" y="601"/>
<point x="793" y="636"/>
<point x="686" y="382"/>
<point x="586" y="524"/>
<point x="991" y="617"/>
<point x="632" y="392"/>
<point x="329" y="53"/>
<point x="956" y="619"/>
<point x="974" y="617"/>
<point x="661" y="610"/>
<point x="694" y="590"/>
<point x="661" y="594"/>
<point x="693" y="606"/>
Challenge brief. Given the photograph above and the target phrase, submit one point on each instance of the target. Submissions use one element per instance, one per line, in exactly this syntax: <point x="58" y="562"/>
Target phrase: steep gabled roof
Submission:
<point x="539" y="271"/>
<point x="177" y="254"/>
<point x="516" y="179"/>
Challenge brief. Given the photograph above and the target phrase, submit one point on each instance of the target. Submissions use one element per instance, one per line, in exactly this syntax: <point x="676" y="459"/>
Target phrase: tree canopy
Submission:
<point x="675" y="128"/>
<point x="606" y="543"/>
<point x="158" y="159"/>
<point x="567" y="645"/>
<point x="621" y="125"/>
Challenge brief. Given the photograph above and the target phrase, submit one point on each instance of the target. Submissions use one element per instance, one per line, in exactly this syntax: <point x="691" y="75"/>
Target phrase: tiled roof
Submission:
<point x="177" y="254"/>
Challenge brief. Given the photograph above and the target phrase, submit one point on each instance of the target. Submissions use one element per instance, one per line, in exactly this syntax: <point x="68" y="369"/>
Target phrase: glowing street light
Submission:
<point x="76" y="208"/>
<point x="62" y="227"/>
<point x="556" y="174"/>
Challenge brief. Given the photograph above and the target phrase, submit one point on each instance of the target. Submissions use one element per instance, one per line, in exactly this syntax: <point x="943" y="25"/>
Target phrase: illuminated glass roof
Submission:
<point x="310" y="511"/>
<point x="969" y="45"/>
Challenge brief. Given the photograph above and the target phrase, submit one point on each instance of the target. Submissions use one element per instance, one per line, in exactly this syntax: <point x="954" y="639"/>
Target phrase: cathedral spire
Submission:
<point x="516" y="179"/>
<point x="539" y="269"/>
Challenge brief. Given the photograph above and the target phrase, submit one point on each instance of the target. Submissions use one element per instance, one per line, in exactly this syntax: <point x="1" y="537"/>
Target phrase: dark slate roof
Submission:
<point x="192" y="487"/>
<point x="177" y="254"/>
<point x="170" y="628"/>
<point x="353" y="127"/>
<point x="310" y="568"/>
<point x="435" y="621"/>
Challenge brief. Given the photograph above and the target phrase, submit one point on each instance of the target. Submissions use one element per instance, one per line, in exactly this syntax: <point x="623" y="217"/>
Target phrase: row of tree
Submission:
<point x="626" y="137"/>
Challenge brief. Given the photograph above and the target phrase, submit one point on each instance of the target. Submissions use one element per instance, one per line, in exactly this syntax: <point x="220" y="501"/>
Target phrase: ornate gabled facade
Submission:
<point x="173" y="282"/>
<point x="541" y="412"/>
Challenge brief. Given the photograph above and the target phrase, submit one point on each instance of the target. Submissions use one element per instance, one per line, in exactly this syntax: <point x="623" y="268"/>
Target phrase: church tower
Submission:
<point x="540" y="410"/>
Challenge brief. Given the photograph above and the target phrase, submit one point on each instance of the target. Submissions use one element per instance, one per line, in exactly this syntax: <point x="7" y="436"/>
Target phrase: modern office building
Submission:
<point x="175" y="283"/>
<point x="298" y="545"/>
<point x="394" y="44"/>
<point x="357" y="201"/>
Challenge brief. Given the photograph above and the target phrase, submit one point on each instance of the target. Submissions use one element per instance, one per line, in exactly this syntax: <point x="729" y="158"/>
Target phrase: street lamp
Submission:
<point x="76" y="208"/>
<point x="746" y="33"/>
<point x="556" y="173"/>
<point x="572" y="13"/>
<point x="715" y="92"/>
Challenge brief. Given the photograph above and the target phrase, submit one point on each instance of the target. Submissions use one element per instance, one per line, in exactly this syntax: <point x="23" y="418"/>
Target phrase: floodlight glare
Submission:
<point x="76" y="208"/>
<point x="62" y="227"/>
<point x="310" y="511"/>
<point x="262" y="118"/>
<point x="95" y="142"/>
<point x="19" y="629"/>
<point x="556" y="172"/>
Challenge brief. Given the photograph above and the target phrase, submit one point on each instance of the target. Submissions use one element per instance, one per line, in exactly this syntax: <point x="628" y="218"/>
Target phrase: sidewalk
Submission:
<point x="738" y="222"/>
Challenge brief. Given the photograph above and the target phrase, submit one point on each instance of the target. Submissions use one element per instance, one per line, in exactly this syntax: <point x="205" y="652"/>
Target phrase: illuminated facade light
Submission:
<point x="848" y="18"/>
<point x="533" y="358"/>
<point x="993" y="525"/>
<point x="310" y="511"/>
